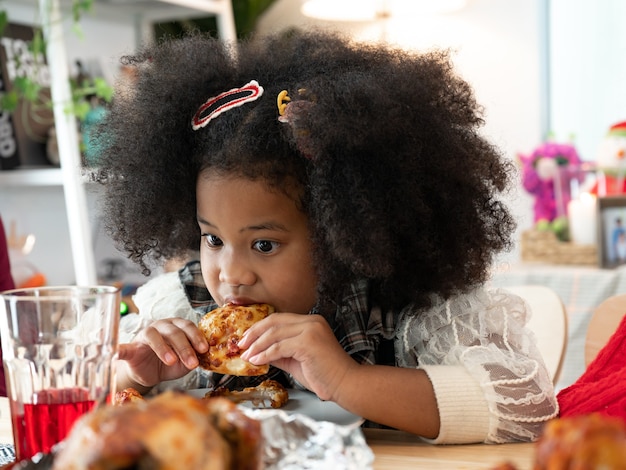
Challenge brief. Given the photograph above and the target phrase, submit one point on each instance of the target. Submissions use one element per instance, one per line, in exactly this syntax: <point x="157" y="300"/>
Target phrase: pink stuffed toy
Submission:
<point x="539" y="171"/>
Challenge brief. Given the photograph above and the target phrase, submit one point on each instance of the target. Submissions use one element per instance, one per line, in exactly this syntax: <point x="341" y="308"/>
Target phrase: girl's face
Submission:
<point x="255" y="245"/>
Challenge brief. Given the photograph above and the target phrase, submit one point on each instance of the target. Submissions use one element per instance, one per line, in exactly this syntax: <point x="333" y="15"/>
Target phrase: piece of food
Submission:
<point x="505" y="466"/>
<point x="592" y="441"/>
<point x="223" y="328"/>
<point x="128" y="395"/>
<point x="267" y="392"/>
<point x="168" y="432"/>
<point x="586" y="441"/>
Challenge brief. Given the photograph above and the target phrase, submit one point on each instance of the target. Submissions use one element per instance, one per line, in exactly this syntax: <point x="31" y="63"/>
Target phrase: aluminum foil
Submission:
<point x="295" y="441"/>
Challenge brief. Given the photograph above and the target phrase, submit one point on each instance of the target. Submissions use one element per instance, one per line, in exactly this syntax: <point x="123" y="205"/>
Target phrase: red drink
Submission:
<point x="48" y="420"/>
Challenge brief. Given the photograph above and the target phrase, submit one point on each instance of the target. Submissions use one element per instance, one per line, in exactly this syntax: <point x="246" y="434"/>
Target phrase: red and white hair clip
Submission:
<point x="216" y="105"/>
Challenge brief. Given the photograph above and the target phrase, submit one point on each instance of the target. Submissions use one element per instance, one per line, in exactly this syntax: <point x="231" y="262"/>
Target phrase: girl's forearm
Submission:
<point x="398" y="397"/>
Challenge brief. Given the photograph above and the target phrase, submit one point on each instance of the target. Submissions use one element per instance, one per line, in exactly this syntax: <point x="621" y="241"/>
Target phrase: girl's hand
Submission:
<point x="302" y="345"/>
<point x="165" y="350"/>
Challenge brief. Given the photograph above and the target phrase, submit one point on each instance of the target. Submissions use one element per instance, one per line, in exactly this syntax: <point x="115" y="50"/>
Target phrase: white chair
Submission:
<point x="548" y="322"/>
<point x="604" y="321"/>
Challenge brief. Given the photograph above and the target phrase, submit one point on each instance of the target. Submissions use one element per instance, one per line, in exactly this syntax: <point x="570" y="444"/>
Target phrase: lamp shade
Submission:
<point x="369" y="10"/>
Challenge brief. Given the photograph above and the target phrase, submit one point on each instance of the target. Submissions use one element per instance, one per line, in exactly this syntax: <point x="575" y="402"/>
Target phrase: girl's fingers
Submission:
<point x="253" y="333"/>
<point x="153" y="338"/>
<point x="282" y="339"/>
<point x="126" y="352"/>
<point x="262" y="334"/>
<point x="194" y="335"/>
<point x="270" y="324"/>
<point x="276" y="351"/>
<point x="302" y="345"/>
<point x="174" y="340"/>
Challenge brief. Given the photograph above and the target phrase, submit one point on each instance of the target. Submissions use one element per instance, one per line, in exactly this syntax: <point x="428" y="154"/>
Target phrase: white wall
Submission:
<point x="40" y="211"/>
<point x="588" y="53"/>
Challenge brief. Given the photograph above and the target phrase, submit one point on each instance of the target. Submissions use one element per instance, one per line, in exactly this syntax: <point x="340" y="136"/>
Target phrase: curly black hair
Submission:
<point x="398" y="184"/>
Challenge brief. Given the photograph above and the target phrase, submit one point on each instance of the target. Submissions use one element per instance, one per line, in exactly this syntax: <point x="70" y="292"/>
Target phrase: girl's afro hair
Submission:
<point x="382" y="144"/>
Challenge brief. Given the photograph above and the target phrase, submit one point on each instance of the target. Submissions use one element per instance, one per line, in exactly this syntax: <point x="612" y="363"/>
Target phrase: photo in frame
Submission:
<point x="612" y="231"/>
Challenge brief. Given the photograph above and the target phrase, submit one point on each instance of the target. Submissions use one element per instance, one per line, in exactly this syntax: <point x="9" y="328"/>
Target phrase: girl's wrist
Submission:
<point x="123" y="381"/>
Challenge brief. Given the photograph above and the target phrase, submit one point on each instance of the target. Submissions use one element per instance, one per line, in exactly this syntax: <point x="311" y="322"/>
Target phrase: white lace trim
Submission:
<point x="483" y="332"/>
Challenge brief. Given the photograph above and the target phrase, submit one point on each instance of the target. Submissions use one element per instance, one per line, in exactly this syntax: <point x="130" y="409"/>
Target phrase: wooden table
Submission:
<point x="398" y="450"/>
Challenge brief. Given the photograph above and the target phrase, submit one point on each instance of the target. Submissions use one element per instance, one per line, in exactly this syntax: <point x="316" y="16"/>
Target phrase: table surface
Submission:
<point x="398" y="450"/>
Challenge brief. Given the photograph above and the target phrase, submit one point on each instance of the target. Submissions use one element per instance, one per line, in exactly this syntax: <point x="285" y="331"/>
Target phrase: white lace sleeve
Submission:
<point x="484" y="333"/>
<point x="161" y="297"/>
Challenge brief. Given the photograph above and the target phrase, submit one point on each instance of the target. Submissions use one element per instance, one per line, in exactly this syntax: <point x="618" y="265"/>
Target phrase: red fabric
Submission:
<point x="610" y="186"/>
<point x="6" y="283"/>
<point x="602" y="387"/>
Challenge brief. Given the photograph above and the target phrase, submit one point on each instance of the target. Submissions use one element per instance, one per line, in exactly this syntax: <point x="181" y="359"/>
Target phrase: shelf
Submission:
<point x="31" y="177"/>
<point x="25" y="177"/>
<point x="72" y="183"/>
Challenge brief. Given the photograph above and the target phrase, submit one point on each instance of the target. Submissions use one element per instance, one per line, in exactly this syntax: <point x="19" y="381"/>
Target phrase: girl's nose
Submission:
<point x="235" y="269"/>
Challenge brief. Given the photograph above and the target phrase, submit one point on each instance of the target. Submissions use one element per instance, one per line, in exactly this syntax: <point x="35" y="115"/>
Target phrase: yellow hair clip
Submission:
<point x="281" y="101"/>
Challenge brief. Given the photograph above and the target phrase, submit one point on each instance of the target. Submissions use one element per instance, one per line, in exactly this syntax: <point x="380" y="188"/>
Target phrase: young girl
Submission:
<point x="348" y="186"/>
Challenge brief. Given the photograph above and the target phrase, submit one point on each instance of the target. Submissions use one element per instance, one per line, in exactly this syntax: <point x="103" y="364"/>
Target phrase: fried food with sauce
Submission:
<point x="128" y="395"/>
<point x="268" y="391"/>
<point x="223" y="327"/>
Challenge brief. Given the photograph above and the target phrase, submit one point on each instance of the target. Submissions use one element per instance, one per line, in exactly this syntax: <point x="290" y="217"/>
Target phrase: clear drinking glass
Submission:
<point x="58" y="347"/>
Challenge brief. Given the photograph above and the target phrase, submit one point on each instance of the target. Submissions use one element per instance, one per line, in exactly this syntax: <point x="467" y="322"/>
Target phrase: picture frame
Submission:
<point x="612" y="231"/>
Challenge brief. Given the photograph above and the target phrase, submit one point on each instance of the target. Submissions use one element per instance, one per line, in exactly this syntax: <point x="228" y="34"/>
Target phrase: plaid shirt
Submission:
<point x="363" y="332"/>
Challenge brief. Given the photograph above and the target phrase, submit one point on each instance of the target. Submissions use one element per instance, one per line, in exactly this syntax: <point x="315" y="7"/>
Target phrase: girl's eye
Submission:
<point x="212" y="241"/>
<point x="266" y="246"/>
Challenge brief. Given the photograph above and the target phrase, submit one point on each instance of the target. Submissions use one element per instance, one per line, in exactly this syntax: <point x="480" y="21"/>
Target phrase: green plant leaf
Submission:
<point x="103" y="89"/>
<point x="81" y="108"/>
<point x="4" y="21"/>
<point x="38" y="45"/>
<point x="27" y="88"/>
<point x="247" y="12"/>
<point x="77" y="29"/>
<point x="79" y="7"/>
<point x="9" y="100"/>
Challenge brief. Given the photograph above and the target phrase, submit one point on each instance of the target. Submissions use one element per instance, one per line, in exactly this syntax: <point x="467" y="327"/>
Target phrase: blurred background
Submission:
<point x="542" y="69"/>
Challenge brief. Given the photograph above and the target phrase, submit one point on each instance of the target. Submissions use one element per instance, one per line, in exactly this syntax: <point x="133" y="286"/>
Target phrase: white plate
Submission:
<point x="308" y="404"/>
